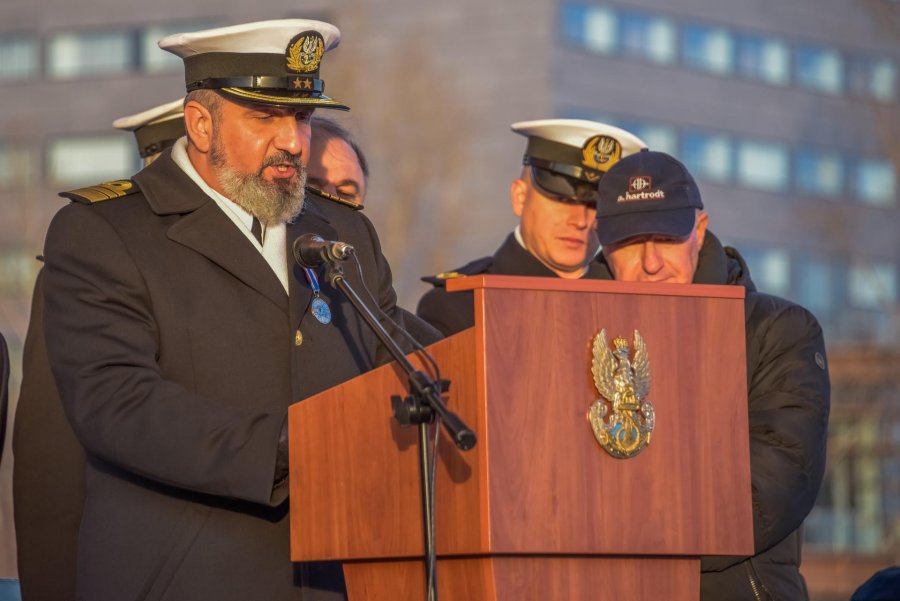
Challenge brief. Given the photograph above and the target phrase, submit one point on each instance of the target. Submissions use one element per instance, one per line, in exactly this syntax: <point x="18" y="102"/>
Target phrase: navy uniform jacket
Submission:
<point x="173" y="345"/>
<point x="452" y="312"/>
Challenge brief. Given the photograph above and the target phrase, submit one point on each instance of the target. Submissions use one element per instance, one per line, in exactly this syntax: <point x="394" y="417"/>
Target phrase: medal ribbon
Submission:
<point x="313" y="280"/>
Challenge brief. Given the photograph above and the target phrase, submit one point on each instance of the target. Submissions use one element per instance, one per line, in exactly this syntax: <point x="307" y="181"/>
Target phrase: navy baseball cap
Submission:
<point x="646" y="193"/>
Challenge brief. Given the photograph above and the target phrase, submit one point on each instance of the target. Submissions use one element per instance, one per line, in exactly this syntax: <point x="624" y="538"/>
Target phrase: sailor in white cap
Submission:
<point x="555" y="198"/>
<point x="155" y="129"/>
<point x="179" y="331"/>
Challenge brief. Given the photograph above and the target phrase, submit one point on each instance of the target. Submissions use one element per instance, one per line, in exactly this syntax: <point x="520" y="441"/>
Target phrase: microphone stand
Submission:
<point x="420" y="408"/>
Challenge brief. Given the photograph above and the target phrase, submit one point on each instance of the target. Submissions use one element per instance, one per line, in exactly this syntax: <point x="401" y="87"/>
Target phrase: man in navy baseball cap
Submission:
<point x="651" y="223"/>
<point x="650" y="219"/>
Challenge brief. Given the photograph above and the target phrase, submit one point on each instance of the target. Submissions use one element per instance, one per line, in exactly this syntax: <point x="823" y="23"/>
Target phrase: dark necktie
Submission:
<point x="256" y="230"/>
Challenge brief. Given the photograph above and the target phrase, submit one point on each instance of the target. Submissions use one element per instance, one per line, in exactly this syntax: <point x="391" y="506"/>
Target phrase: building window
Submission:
<point x="816" y="285"/>
<point x="649" y="38"/>
<point x="820" y="69"/>
<point x="91" y="53"/>
<point x="572" y="19"/>
<point x="763" y="59"/>
<point x="708" y="48"/>
<point x="600" y="30"/>
<point x="17" y="167"/>
<point x="770" y="269"/>
<point x="876" y="183"/>
<point x="18" y="57"/>
<point x="91" y="160"/>
<point x="873" y="286"/>
<point x="657" y="137"/>
<point x="17" y="270"/>
<point x="762" y="166"/>
<point x="819" y="173"/>
<point x="883" y="80"/>
<point x="708" y="156"/>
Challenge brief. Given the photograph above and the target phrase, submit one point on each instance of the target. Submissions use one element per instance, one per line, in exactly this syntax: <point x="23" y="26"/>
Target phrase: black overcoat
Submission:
<point x="175" y="351"/>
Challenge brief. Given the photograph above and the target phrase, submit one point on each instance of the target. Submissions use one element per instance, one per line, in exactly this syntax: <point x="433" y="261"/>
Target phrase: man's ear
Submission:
<point x="700" y="226"/>
<point x="198" y="125"/>
<point x="518" y="190"/>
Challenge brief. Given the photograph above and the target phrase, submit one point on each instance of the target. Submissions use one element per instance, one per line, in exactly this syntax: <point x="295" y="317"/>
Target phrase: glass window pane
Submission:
<point x="708" y="48"/>
<point x="762" y="166"/>
<point x="815" y="285"/>
<point x="873" y="286"/>
<point x="18" y="57"/>
<point x="883" y="80"/>
<point x="657" y="137"/>
<point x="820" y="69"/>
<point x="650" y="38"/>
<point x="820" y="173"/>
<point x="770" y="269"/>
<point x="876" y="183"/>
<point x="95" y="53"/>
<point x="600" y="30"/>
<point x="708" y="156"/>
<point x="91" y="160"/>
<point x="17" y="168"/>
<point x="763" y="59"/>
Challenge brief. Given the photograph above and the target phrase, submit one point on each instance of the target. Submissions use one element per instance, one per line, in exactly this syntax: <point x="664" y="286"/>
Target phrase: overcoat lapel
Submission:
<point x="204" y="228"/>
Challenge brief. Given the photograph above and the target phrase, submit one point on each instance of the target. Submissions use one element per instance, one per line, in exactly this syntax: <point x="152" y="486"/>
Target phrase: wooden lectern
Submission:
<point x="538" y="510"/>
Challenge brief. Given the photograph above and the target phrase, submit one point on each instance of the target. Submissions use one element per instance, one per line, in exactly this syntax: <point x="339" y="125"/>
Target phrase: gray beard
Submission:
<point x="270" y="202"/>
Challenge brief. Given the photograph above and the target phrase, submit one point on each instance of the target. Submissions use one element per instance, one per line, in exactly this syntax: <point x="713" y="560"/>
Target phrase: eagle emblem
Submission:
<point x="623" y="383"/>
<point x="599" y="153"/>
<point x="305" y="51"/>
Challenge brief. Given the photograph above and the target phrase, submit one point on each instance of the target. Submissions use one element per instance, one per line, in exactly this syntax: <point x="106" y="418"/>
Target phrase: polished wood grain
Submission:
<point x="512" y="282"/>
<point x="509" y="578"/>
<point x="354" y="472"/>
<point x="538" y="500"/>
<point x="688" y="492"/>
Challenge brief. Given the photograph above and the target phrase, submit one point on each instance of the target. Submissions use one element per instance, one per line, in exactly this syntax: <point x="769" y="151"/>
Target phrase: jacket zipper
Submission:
<point x="755" y="583"/>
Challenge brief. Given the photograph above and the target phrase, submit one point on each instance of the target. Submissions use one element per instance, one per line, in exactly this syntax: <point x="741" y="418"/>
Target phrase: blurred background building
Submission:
<point x="787" y="113"/>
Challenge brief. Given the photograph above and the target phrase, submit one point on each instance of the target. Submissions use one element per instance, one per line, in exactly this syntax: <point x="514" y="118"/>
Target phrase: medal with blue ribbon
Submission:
<point x="319" y="308"/>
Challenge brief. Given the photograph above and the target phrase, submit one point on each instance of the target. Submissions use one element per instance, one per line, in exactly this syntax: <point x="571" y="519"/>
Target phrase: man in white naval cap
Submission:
<point x="555" y="198"/>
<point x="48" y="474"/>
<point x="155" y="129"/>
<point x="179" y="330"/>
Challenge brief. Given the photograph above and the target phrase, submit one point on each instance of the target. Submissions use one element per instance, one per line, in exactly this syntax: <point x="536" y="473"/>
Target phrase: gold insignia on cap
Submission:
<point x="305" y="52"/>
<point x="600" y="153"/>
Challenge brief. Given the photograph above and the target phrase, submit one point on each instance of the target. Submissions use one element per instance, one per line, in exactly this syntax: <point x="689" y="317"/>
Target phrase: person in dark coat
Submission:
<point x="179" y="333"/>
<point x="652" y="227"/>
<point x="48" y="474"/>
<point x="555" y="200"/>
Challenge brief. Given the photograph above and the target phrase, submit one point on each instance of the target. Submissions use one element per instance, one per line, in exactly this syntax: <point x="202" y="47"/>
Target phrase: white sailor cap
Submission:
<point x="569" y="156"/>
<point x="269" y="62"/>
<point x="155" y="129"/>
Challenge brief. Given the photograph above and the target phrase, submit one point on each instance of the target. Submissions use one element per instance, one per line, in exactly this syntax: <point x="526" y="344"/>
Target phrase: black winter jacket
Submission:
<point x="788" y="398"/>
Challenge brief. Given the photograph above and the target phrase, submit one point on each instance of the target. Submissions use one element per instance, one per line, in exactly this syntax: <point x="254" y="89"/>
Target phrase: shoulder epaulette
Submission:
<point x="101" y="192"/>
<point x="333" y="198"/>
<point x="474" y="268"/>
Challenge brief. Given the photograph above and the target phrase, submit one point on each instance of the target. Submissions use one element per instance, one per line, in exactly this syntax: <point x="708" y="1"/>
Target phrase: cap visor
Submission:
<point x="677" y="223"/>
<point x="283" y="100"/>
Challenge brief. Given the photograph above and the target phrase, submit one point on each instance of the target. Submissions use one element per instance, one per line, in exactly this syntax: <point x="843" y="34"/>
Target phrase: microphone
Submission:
<point x="311" y="250"/>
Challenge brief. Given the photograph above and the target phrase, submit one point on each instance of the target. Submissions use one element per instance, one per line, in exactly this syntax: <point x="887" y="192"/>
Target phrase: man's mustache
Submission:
<point x="282" y="158"/>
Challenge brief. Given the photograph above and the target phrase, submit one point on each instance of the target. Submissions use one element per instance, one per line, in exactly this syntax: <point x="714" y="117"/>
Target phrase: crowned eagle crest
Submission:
<point x="623" y="418"/>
